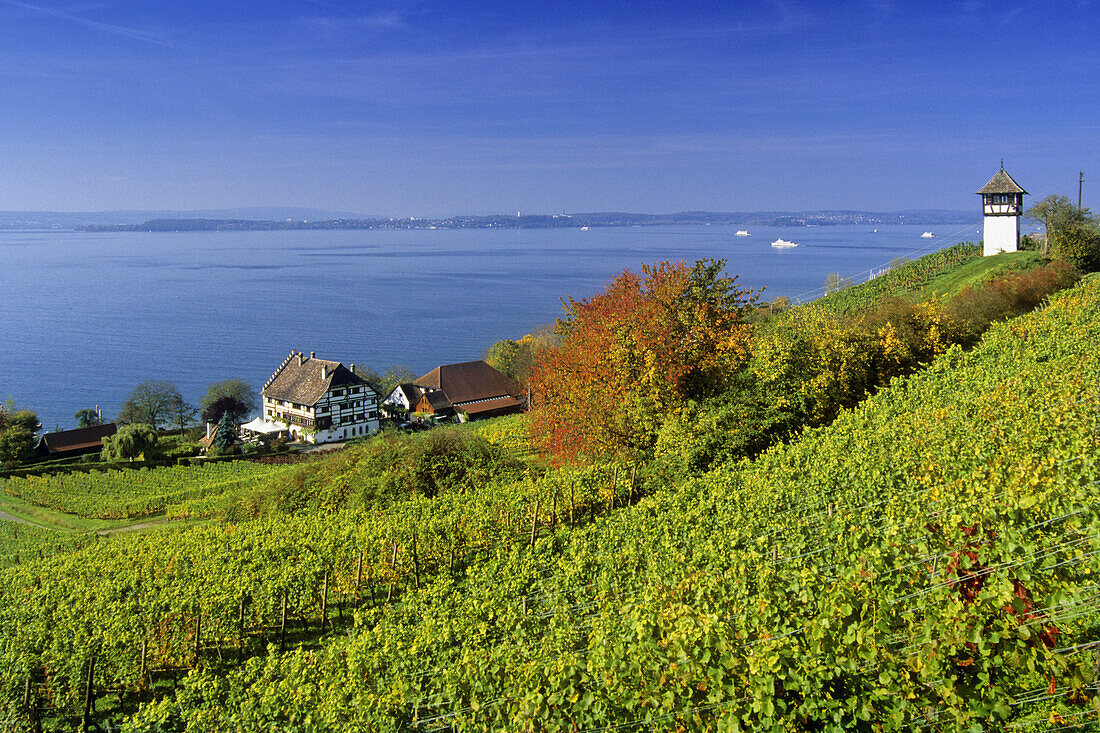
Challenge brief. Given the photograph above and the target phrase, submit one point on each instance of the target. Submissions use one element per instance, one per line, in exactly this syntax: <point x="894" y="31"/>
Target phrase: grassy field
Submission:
<point x="980" y="270"/>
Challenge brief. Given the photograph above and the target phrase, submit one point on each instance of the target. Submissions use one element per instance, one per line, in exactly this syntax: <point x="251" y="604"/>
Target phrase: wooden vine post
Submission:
<point x="324" y="602"/>
<point x="198" y="636"/>
<point x="282" y="626"/>
<point x="393" y="564"/>
<point x="89" y="695"/>
<point x="144" y="653"/>
<point x="358" y="576"/>
<point x="534" y="523"/>
<point x="240" y="633"/>
<point x="614" y="487"/>
<point x="416" y="565"/>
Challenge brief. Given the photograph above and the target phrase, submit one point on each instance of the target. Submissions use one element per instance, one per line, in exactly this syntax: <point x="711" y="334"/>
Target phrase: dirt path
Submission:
<point x="130" y="527"/>
<point x="4" y="516"/>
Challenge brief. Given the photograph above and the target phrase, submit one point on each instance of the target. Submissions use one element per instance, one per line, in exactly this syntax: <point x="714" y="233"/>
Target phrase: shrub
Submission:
<point x="1079" y="244"/>
<point x="130" y="442"/>
<point x="389" y="466"/>
<point x="1007" y="296"/>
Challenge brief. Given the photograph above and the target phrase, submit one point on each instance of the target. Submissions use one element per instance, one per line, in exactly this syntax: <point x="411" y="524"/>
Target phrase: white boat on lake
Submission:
<point x="783" y="244"/>
<point x="741" y="233"/>
<point x="927" y="235"/>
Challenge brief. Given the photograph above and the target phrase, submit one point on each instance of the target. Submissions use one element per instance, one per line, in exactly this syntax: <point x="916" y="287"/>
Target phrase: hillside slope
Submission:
<point x="928" y="561"/>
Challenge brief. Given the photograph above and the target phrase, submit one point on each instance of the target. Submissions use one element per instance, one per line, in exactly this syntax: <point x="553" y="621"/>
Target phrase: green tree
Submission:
<point x="11" y="417"/>
<point x="516" y="359"/>
<point x="150" y="403"/>
<point x="181" y="413"/>
<point x="226" y="436"/>
<point x="502" y="356"/>
<point x="130" y="442"/>
<point x="238" y="389"/>
<point x="1072" y="234"/>
<point x="393" y="376"/>
<point x="1079" y="244"/>
<point x="16" y="444"/>
<point x="374" y="379"/>
<point x="17" y="432"/>
<point x="385" y="382"/>
<point x="236" y="409"/>
<point x="87" y="418"/>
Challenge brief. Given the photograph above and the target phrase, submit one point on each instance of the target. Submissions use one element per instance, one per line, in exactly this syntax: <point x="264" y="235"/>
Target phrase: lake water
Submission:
<point x="86" y="316"/>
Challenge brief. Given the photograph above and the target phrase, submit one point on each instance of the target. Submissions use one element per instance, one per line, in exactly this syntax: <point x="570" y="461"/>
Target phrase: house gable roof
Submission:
<point x="435" y="400"/>
<point x="1001" y="182"/>
<point x="79" y="439"/>
<point x="409" y="390"/>
<point x="469" y="381"/>
<point x="305" y="379"/>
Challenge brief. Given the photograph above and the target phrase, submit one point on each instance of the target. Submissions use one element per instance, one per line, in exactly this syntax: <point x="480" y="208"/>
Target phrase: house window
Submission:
<point x="337" y="393"/>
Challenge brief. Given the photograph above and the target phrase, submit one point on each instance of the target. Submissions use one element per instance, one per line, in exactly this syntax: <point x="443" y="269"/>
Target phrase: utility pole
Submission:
<point x="1080" y="180"/>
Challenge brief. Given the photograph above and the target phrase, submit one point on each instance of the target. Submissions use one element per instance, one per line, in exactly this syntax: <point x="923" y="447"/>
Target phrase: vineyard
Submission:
<point x="510" y="432"/>
<point x="20" y="542"/>
<point x="926" y="562"/>
<point x="128" y="494"/>
<point x="908" y="277"/>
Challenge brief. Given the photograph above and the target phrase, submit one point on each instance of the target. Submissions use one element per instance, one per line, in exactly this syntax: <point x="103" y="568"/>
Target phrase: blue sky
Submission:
<point x="430" y="108"/>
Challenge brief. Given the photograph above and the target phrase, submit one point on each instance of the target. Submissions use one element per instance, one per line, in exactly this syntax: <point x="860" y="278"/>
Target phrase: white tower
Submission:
<point x="1002" y="204"/>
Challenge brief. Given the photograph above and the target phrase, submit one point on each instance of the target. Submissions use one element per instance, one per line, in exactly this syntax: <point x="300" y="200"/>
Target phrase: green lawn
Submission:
<point x="981" y="269"/>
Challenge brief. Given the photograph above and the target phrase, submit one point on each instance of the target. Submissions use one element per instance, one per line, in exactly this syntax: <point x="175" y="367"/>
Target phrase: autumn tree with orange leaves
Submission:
<point x="630" y="356"/>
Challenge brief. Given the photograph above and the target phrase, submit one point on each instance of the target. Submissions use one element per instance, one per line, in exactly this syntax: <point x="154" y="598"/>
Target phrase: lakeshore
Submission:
<point x="93" y="314"/>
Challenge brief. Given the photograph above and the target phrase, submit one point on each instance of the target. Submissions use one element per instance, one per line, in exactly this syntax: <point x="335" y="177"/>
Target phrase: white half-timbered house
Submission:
<point x="320" y="401"/>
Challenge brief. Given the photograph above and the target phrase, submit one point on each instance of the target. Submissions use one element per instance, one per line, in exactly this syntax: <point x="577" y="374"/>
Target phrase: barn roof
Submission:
<point x="469" y="381"/>
<point x="436" y="400"/>
<point x="64" y="441"/>
<point x="498" y="404"/>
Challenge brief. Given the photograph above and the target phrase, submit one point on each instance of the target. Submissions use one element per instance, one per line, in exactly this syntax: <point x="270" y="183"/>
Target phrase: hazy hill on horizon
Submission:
<point x="70" y="219"/>
<point x="303" y="217"/>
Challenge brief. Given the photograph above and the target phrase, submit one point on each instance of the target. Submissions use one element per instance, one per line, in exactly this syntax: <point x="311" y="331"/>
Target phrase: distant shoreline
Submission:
<point x="545" y="221"/>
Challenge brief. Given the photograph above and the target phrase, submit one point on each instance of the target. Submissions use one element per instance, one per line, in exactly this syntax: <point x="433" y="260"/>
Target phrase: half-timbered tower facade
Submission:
<point x="319" y="400"/>
<point x="1002" y="205"/>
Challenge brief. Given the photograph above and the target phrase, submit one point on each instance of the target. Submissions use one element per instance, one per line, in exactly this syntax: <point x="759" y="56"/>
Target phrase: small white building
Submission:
<point x="403" y="399"/>
<point x="320" y="401"/>
<point x="1002" y="205"/>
